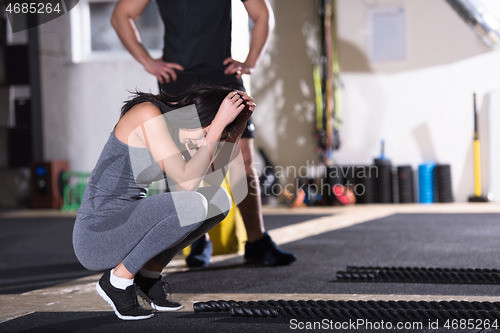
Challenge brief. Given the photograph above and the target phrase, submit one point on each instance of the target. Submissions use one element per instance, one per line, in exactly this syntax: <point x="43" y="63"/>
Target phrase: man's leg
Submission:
<point x="251" y="206"/>
<point x="260" y="249"/>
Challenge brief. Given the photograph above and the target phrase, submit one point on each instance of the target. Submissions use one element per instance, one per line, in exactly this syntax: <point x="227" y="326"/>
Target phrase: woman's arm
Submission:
<point x="154" y="133"/>
<point x="230" y="149"/>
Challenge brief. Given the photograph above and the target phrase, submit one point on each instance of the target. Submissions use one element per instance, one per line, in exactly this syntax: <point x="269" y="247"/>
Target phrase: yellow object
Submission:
<point x="319" y="97"/>
<point x="477" y="169"/>
<point x="228" y="236"/>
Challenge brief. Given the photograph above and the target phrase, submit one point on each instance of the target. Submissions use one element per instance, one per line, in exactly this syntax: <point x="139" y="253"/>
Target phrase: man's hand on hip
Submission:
<point x="236" y="67"/>
<point x="164" y="71"/>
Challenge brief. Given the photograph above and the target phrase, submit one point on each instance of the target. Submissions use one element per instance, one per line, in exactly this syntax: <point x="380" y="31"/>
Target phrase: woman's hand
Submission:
<point x="248" y="100"/>
<point x="231" y="107"/>
<point x="242" y="119"/>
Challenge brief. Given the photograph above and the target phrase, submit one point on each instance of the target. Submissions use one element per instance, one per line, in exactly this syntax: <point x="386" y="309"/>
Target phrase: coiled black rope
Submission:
<point x="225" y="306"/>
<point x="353" y="310"/>
<point x="419" y="275"/>
<point x="393" y="315"/>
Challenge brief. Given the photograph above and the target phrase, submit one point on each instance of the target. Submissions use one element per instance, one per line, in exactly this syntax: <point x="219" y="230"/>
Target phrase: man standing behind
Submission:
<point x="197" y="50"/>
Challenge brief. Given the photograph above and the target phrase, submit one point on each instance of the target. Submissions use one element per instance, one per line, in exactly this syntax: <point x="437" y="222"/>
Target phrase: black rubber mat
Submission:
<point x="278" y="221"/>
<point x="414" y="240"/>
<point x="179" y="322"/>
<point x="38" y="252"/>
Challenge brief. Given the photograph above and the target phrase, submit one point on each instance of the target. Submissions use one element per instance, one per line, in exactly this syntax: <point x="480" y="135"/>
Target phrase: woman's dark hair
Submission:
<point x="206" y="99"/>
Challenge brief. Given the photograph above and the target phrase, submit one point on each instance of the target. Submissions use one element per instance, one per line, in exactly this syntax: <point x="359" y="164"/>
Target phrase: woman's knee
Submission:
<point x="222" y="200"/>
<point x="190" y="207"/>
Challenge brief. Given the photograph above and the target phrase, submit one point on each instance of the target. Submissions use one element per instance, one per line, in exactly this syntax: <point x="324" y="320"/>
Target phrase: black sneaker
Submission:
<point x="155" y="293"/>
<point x="201" y="253"/>
<point x="123" y="302"/>
<point x="266" y="252"/>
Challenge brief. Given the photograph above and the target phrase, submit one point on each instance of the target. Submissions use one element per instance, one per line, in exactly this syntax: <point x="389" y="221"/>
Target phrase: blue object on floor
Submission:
<point x="426" y="182"/>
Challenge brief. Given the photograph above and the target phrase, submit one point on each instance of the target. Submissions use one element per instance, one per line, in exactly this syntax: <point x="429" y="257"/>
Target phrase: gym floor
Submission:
<point x="43" y="288"/>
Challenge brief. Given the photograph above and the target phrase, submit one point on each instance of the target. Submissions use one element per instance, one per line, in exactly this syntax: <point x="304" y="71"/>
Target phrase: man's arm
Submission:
<point x="126" y="11"/>
<point x="262" y="15"/>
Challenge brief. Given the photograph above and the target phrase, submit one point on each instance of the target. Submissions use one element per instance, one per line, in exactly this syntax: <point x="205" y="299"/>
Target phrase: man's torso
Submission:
<point x="197" y="33"/>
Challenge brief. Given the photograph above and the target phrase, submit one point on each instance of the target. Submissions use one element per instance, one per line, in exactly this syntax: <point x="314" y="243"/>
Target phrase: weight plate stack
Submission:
<point x="383" y="181"/>
<point x="443" y="183"/>
<point x="365" y="184"/>
<point x="405" y="181"/>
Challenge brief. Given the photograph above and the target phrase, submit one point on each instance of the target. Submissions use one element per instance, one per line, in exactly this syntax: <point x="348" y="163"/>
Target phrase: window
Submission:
<point x="104" y="38"/>
<point x="94" y="38"/>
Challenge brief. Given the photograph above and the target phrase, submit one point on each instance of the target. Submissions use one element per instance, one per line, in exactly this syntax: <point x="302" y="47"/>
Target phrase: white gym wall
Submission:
<point x="421" y="106"/>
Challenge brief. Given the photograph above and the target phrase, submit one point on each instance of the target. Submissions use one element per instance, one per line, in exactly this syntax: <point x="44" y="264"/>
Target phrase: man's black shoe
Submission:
<point x="201" y="253"/>
<point x="265" y="252"/>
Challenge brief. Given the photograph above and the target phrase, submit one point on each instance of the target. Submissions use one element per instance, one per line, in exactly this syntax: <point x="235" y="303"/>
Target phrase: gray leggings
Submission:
<point x="147" y="229"/>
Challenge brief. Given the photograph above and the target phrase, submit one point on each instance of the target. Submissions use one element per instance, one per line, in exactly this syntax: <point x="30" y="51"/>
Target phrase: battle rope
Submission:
<point x="353" y="310"/>
<point x="419" y="275"/>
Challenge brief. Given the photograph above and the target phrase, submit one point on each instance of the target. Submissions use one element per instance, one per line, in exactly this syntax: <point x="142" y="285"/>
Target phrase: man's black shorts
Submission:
<point x="186" y="80"/>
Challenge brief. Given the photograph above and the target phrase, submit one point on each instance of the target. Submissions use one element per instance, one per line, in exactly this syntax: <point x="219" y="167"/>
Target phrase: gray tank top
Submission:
<point x="121" y="176"/>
